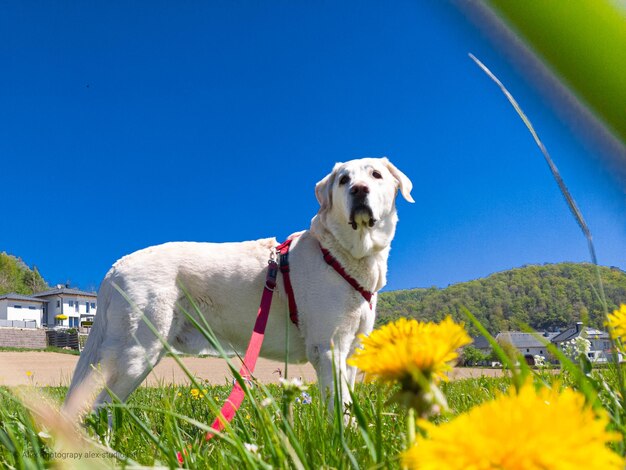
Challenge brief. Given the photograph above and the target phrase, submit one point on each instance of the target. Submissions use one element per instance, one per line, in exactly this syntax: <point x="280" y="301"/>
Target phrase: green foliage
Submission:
<point x="543" y="297"/>
<point x="16" y="276"/>
<point x="472" y="356"/>
<point x="583" y="45"/>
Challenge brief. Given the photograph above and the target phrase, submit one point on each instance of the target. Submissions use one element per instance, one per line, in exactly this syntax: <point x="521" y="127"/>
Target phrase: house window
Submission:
<point x="31" y="307"/>
<point x="540" y="351"/>
<point x="87" y="306"/>
<point x="73" y="321"/>
<point x="17" y="306"/>
<point x="71" y="303"/>
<point x="76" y="306"/>
<point x="527" y="350"/>
<point x="93" y="305"/>
<point x="58" y="303"/>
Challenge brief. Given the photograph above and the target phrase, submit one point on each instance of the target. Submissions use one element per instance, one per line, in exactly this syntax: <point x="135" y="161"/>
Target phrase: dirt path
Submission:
<point x="46" y="368"/>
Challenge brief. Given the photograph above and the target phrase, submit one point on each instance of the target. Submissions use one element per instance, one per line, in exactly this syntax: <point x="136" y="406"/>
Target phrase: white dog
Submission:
<point x="355" y="223"/>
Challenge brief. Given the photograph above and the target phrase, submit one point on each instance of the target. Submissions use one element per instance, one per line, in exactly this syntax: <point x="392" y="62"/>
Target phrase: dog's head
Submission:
<point x="362" y="192"/>
<point x="358" y="199"/>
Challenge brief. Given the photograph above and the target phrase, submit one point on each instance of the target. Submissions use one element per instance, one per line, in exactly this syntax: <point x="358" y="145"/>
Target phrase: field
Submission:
<point x="158" y="423"/>
<point x="280" y="425"/>
<point x="162" y="420"/>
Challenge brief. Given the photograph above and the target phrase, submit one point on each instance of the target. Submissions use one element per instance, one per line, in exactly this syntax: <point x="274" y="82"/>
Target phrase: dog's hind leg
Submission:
<point x="135" y="345"/>
<point x="126" y="369"/>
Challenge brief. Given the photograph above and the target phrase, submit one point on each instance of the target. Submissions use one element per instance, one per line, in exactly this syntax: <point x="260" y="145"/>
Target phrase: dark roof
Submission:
<point x="64" y="290"/>
<point x="574" y="331"/>
<point x="481" y="342"/>
<point x="523" y="340"/>
<point x="565" y="335"/>
<point x="14" y="296"/>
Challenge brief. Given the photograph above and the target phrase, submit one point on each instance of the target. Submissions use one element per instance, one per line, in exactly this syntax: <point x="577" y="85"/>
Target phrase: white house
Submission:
<point x="528" y="344"/>
<point x="600" y="347"/>
<point x="67" y="307"/>
<point x="59" y="307"/>
<point x="21" y="311"/>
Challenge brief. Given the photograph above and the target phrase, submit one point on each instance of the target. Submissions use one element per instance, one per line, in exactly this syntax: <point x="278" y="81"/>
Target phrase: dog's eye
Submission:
<point x="377" y="175"/>
<point x="345" y="179"/>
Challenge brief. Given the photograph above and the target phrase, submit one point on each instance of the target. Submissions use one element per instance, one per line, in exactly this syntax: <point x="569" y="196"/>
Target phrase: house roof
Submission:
<point x="575" y="331"/>
<point x="14" y="296"/>
<point x="66" y="291"/>
<point x="571" y="333"/>
<point x="523" y="340"/>
<point x="592" y="333"/>
<point x="566" y="335"/>
<point x="481" y="342"/>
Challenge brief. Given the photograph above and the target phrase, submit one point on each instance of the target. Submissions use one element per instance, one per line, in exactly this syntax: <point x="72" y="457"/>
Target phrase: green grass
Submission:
<point x="158" y="422"/>
<point x="54" y="349"/>
<point x="321" y="444"/>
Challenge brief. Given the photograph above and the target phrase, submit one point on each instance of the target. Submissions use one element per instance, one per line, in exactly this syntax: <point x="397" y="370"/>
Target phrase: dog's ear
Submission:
<point x="324" y="189"/>
<point x="404" y="183"/>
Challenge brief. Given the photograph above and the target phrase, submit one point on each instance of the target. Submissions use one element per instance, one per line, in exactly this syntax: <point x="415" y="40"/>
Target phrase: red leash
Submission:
<point x="234" y="400"/>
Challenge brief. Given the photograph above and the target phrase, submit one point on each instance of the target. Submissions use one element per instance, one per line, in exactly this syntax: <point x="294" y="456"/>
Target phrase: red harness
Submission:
<point x="283" y="250"/>
<point x="234" y="400"/>
<point x="330" y="259"/>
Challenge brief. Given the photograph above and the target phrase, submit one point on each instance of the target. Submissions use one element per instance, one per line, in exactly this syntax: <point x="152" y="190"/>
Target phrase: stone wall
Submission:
<point x="23" y="338"/>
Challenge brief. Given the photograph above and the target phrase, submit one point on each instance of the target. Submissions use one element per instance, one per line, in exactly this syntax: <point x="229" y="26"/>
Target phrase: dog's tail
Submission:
<point x="90" y="356"/>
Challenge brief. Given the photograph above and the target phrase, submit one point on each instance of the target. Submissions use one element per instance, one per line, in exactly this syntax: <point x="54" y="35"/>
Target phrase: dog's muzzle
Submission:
<point x="361" y="215"/>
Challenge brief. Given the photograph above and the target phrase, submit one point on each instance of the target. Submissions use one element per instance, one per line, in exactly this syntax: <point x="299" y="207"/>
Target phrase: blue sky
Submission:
<point x="128" y="124"/>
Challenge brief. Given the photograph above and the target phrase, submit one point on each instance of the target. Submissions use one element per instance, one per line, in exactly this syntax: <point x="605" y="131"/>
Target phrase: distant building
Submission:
<point x="536" y="344"/>
<point x="62" y="307"/>
<point x="482" y="344"/>
<point x="21" y="311"/>
<point x="528" y="344"/>
<point x="600" y="350"/>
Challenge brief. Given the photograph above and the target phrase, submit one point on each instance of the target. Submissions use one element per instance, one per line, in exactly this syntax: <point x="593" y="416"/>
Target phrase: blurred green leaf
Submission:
<point x="584" y="42"/>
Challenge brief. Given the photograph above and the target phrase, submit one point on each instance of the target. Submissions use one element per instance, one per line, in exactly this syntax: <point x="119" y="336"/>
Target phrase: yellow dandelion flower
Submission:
<point x="28" y="373"/>
<point x="616" y="322"/>
<point x="195" y="392"/>
<point x="529" y="430"/>
<point x="409" y="348"/>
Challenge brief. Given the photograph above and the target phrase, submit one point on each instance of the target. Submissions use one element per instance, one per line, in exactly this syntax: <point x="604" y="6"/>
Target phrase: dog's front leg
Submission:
<point x="352" y="372"/>
<point x="332" y="375"/>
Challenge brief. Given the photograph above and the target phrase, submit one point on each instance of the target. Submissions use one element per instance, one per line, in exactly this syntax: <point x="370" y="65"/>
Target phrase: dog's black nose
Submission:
<point x="359" y="190"/>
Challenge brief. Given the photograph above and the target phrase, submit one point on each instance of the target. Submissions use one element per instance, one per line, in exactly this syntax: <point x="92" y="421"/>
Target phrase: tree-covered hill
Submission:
<point x="544" y="297"/>
<point x="16" y="276"/>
